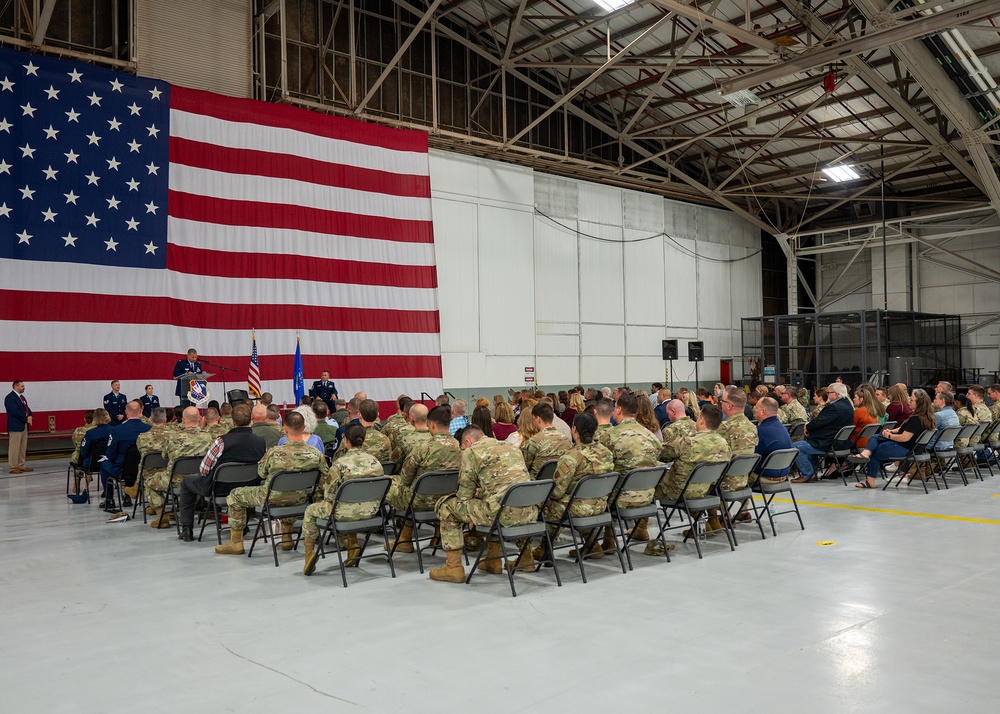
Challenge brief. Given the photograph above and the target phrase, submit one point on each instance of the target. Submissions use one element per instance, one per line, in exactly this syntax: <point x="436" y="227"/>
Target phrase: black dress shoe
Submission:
<point x="126" y="502"/>
<point x="187" y="534"/>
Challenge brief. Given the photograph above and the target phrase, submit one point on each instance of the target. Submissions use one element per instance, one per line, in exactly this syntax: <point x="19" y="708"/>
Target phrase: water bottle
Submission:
<point x="702" y="536"/>
<point x="770" y="508"/>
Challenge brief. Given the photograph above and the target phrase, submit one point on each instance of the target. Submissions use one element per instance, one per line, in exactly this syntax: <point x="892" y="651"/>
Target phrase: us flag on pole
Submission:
<point x="253" y="373"/>
<point x="138" y="219"/>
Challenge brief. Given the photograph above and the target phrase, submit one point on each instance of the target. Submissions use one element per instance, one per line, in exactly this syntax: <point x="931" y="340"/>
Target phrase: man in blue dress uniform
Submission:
<point x="114" y="402"/>
<point x="122" y="438"/>
<point x="326" y="390"/>
<point x="149" y="401"/>
<point x="188" y="365"/>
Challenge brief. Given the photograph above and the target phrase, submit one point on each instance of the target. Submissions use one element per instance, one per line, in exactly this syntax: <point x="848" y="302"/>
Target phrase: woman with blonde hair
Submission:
<point x="690" y="403"/>
<point x="504" y="425"/>
<point x="645" y="416"/>
<point x="526" y="427"/>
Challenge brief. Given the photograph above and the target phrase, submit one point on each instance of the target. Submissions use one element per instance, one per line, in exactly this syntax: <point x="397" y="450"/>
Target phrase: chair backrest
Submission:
<point x="779" y="460"/>
<point x="947" y="433"/>
<point x="548" y="470"/>
<point x="708" y="472"/>
<point x="797" y="429"/>
<point x="923" y="440"/>
<point x="642" y="479"/>
<point x="361" y="490"/>
<point x="981" y="428"/>
<point x="100" y="448"/>
<point x="186" y="465"/>
<point x="968" y="431"/>
<point x="294" y="480"/>
<point x="237" y="472"/>
<point x="595" y="485"/>
<point x="130" y="467"/>
<point x="436" y="483"/>
<point x="843" y="435"/>
<point x="237" y="395"/>
<point x="741" y="465"/>
<point x="527" y="493"/>
<point x="153" y="460"/>
<point x="870" y="430"/>
<point x="388" y="468"/>
<point x="890" y="425"/>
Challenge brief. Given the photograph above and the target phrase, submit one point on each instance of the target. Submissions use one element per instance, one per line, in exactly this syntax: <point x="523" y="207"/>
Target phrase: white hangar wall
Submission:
<point x="578" y="280"/>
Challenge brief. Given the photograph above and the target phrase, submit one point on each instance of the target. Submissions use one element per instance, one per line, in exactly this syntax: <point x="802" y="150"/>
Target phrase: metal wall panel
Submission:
<point x="506" y="281"/>
<point x="644" y="279"/>
<point x="557" y="284"/>
<point x="203" y="45"/>
<point x="601" y="278"/>
<point x="681" y="284"/>
<point x="458" y="275"/>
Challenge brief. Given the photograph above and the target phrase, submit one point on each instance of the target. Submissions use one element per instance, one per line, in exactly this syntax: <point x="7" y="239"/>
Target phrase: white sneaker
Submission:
<point x="891" y="468"/>
<point x="905" y="481"/>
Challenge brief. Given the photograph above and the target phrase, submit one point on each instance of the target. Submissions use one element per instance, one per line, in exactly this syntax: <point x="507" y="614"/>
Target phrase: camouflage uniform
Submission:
<point x="152" y="442"/>
<point x="633" y="446"/>
<point x="356" y="463"/>
<point x="407" y="441"/>
<point x="392" y="426"/>
<point x="673" y="435"/>
<point x="489" y="468"/>
<point x="290" y="456"/>
<point x="741" y="436"/>
<point x="190" y="441"/>
<point x="965" y="418"/>
<point x="440" y="453"/>
<point x="546" y="445"/>
<point x="995" y="411"/>
<point x="581" y="460"/>
<point x="227" y="423"/>
<point x="216" y="430"/>
<point x="703" y="447"/>
<point x="603" y="435"/>
<point x="792" y="412"/>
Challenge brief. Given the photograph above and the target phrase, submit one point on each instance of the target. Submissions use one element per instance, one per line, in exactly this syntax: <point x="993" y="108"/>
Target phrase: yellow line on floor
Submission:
<point x="886" y="510"/>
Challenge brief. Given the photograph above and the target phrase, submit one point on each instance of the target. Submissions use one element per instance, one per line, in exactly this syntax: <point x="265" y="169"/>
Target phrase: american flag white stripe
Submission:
<point x="253" y="371"/>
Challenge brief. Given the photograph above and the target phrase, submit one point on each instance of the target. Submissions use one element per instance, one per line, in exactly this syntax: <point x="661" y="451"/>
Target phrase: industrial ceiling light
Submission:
<point x="612" y="5"/>
<point x="841" y="173"/>
<point x="741" y="98"/>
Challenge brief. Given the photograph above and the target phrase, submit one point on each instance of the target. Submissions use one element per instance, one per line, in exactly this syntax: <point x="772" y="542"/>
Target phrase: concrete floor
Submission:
<point x="896" y="615"/>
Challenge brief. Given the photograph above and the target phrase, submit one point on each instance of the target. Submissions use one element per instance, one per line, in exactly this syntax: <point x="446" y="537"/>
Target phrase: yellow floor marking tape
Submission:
<point x="886" y="510"/>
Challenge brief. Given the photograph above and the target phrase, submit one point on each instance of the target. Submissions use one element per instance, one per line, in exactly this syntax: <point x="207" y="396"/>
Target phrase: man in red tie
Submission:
<point x="18" y="421"/>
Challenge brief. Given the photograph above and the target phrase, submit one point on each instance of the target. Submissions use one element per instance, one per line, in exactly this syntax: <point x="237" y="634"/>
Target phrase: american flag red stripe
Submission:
<point x="253" y="371"/>
<point x="276" y="219"/>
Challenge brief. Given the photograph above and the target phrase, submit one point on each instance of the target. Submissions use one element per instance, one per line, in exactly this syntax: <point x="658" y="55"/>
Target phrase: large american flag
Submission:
<point x="138" y="219"/>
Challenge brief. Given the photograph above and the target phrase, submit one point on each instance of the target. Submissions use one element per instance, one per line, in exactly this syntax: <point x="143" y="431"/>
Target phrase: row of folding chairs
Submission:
<point x="937" y="462"/>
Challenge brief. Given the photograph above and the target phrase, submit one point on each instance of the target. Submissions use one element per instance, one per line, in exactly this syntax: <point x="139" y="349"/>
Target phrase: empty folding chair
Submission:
<point x="357" y="490"/>
<point x="284" y="482"/>
<point x="644" y="479"/>
<point x="707" y="473"/>
<point x="388" y="468"/>
<point x="521" y="495"/>
<point x="227" y="476"/>
<point x="594" y="486"/>
<point x="431" y="483"/>
<point x="778" y="461"/>
<point x="918" y="458"/>
<point x="739" y="466"/>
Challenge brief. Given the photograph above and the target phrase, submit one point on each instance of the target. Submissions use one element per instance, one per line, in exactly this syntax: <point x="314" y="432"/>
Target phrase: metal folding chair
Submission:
<point x="95" y="465"/>
<point x="184" y="466"/>
<point x="520" y="495"/>
<point x="431" y="483"/>
<point x="644" y="479"/>
<point x="943" y="459"/>
<point x="226" y="477"/>
<point x="358" y="490"/>
<point x="967" y="453"/>
<point x="709" y="473"/>
<point x="548" y="470"/>
<point x="130" y="467"/>
<point x="740" y="465"/>
<point x="979" y="449"/>
<point x="588" y="487"/>
<point x="388" y="468"/>
<point x="152" y="460"/>
<point x="778" y="461"/>
<point x="840" y="448"/>
<point x="284" y="481"/>
<point x="916" y="456"/>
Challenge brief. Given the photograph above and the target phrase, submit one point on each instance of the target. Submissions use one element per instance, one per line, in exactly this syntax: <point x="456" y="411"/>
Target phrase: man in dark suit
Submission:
<point x="837" y="414"/>
<point x="188" y="365"/>
<point x="121" y="439"/>
<point x="326" y="390"/>
<point x="114" y="403"/>
<point x="18" y="421"/>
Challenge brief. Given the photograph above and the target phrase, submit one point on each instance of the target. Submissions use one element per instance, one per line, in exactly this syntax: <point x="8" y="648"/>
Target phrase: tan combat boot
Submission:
<point x="311" y="556"/>
<point x="608" y="545"/>
<point x="640" y="533"/>
<point x="132" y="491"/>
<point x="162" y="521"/>
<point x="452" y="571"/>
<point x="234" y="546"/>
<point x="150" y="511"/>
<point x="287" y="542"/>
<point x="596" y="552"/>
<point x="527" y="563"/>
<point x="492" y="563"/>
<point x="403" y="543"/>
<point x="353" y="551"/>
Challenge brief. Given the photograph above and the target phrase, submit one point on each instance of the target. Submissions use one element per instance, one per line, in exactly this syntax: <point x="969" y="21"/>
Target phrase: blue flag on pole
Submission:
<point x="298" y="384"/>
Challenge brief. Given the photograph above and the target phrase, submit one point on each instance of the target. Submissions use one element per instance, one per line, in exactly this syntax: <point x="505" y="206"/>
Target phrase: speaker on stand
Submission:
<point x="696" y="354"/>
<point x="669" y="348"/>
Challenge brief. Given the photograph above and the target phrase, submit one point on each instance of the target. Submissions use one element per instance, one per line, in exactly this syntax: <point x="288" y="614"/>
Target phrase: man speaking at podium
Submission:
<point x="191" y="365"/>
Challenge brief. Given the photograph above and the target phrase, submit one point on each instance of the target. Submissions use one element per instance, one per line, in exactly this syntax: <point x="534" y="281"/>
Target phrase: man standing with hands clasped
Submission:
<point x="18" y="421"/>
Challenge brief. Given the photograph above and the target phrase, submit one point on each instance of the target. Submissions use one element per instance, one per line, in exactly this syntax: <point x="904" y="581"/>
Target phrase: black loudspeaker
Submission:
<point x="669" y="350"/>
<point x="696" y="351"/>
